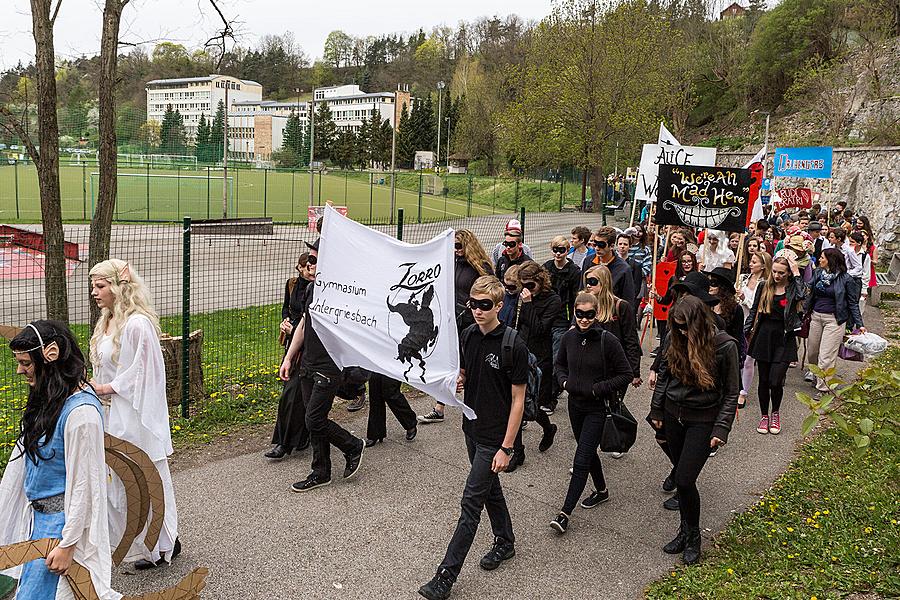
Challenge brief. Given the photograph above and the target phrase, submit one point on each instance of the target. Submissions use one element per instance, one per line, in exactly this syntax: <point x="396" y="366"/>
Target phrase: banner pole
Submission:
<point x="653" y="271"/>
<point x="740" y="260"/>
<point x="634" y="204"/>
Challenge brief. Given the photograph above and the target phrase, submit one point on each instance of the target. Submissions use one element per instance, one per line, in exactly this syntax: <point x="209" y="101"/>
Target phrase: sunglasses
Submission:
<point x="559" y="249"/>
<point x="510" y="287"/>
<point x="458" y="246"/>
<point x="592" y="281"/>
<point x="599" y="244"/>
<point x="473" y="304"/>
<point x="529" y="285"/>
<point x="510" y="244"/>
<point x="590" y="315"/>
<point x="311" y="260"/>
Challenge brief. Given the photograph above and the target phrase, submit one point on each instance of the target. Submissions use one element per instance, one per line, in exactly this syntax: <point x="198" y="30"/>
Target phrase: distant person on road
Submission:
<point x="695" y="399"/>
<point x="496" y="392"/>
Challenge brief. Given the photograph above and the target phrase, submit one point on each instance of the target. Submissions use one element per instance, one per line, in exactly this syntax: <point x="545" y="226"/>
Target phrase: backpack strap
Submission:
<point x="506" y="349"/>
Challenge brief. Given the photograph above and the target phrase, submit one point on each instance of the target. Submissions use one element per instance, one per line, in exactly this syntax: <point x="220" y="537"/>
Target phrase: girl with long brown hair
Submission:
<point x="760" y="264"/>
<point x="773" y="322"/>
<point x="695" y="399"/>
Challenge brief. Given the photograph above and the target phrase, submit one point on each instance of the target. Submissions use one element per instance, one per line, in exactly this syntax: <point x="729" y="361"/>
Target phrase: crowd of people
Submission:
<point x="739" y="307"/>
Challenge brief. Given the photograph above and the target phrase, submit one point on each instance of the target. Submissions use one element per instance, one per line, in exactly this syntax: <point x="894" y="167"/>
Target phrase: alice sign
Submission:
<point x="704" y="197"/>
<point x="655" y="155"/>
<point x="806" y="162"/>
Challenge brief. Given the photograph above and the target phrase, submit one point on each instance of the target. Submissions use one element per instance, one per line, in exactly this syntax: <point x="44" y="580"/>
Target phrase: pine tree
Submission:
<point x="325" y="132"/>
<point x="293" y="135"/>
<point x="165" y="130"/>
<point x="364" y="138"/>
<point x="426" y="126"/>
<point x="217" y="134"/>
<point x="405" y="140"/>
<point x="201" y="144"/>
<point x="343" y="152"/>
<point x="303" y="159"/>
<point x="382" y="146"/>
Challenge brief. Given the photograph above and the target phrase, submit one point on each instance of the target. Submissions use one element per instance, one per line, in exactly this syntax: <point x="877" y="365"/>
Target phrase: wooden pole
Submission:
<point x="653" y="270"/>
<point x="633" y="201"/>
<point x="740" y="260"/>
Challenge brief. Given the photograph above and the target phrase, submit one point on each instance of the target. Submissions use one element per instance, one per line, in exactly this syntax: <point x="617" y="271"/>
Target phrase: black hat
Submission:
<point x="723" y="278"/>
<point x="814" y="226"/>
<point x="697" y="285"/>
<point x="314" y="245"/>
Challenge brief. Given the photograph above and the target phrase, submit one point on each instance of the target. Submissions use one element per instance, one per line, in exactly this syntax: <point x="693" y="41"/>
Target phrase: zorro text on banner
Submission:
<point x="388" y="306"/>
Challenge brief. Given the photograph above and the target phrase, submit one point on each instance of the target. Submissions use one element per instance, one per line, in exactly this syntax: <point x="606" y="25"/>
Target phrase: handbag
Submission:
<point x="620" y="427"/>
<point x="803" y="332"/>
<point x="848" y="353"/>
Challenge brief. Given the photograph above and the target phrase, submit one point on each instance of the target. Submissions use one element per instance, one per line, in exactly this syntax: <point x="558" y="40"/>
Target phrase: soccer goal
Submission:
<point x="173" y="161"/>
<point x="167" y="197"/>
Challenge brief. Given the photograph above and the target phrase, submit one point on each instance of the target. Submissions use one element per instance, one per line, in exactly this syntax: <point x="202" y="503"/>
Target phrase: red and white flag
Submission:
<point x="756" y="210"/>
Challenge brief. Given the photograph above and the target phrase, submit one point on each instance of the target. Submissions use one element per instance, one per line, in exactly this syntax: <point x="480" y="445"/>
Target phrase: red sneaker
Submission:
<point x="763" y="426"/>
<point x="775" y="424"/>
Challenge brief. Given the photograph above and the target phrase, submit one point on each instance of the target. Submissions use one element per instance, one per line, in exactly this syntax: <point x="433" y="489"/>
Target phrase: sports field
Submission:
<point x="170" y="194"/>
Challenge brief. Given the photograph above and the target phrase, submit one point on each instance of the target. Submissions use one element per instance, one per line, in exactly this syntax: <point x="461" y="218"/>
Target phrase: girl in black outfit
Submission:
<point x="686" y="263"/>
<point x="540" y="308"/>
<point x="591" y="366"/>
<point x="721" y="285"/>
<point x="772" y="329"/>
<point x="470" y="263"/>
<point x="695" y="399"/>
<point x="290" y="426"/>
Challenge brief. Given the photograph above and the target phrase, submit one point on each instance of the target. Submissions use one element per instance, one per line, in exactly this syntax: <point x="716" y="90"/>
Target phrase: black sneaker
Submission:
<point x="548" y="410"/>
<point x="502" y="550"/>
<point x="439" y="587"/>
<point x="432" y="417"/>
<point x="354" y="461"/>
<point x="560" y="523"/>
<point x="310" y="483"/>
<point x="547" y="438"/>
<point x="596" y="498"/>
<point x="668" y="485"/>
<point x="713" y="451"/>
<point x="672" y="503"/>
<point x="654" y="352"/>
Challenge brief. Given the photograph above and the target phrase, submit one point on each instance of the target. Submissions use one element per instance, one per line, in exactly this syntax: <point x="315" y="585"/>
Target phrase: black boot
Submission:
<point x="676" y="546"/>
<point x="692" y="546"/>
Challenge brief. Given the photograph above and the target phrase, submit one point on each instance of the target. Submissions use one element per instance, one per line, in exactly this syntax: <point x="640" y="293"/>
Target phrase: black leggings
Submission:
<point x="771" y="384"/>
<point x="689" y="447"/>
<point x="587" y="427"/>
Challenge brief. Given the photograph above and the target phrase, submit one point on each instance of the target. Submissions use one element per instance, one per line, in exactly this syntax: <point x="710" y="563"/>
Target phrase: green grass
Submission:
<point x="240" y="367"/>
<point x="282" y="195"/>
<point x="829" y="527"/>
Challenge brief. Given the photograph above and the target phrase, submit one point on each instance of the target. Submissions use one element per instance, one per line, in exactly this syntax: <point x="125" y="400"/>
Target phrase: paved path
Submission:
<point x="382" y="535"/>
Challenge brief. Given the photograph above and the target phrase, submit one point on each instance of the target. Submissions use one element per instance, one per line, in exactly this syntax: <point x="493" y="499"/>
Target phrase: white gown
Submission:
<point x="85" y="503"/>
<point x="138" y="413"/>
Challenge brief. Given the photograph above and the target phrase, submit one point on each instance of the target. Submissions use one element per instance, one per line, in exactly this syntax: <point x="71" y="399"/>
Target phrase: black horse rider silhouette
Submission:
<point x="423" y="332"/>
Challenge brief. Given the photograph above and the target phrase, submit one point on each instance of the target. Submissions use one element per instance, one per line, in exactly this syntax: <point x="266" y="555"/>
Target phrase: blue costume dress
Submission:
<point x="47" y="479"/>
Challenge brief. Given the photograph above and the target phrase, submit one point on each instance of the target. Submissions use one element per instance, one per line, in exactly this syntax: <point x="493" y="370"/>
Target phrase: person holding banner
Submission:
<point x="495" y="390"/>
<point x="592" y="368"/>
<point x="833" y="309"/>
<point x="695" y="400"/>
<point x="771" y="327"/>
<point x="319" y="381"/>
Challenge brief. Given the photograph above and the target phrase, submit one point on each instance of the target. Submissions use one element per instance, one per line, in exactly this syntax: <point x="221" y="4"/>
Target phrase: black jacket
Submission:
<point x="505" y="262"/>
<point x="795" y="294"/>
<point x="717" y="405"/>
<point x="536" y="323"/>
<point x="566" y="282"/>
<point x="622" y="277"/>
<point x="294" y="294"/>
<point x="464" y="276"/>
<point x="637" y="276"/>
<point x="846" y="310"/>
<point x="588" y="375"/>
<point x="622" y="327"/>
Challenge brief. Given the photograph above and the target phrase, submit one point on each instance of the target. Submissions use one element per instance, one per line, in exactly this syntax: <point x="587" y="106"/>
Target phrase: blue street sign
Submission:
<point x="808" y="162"/>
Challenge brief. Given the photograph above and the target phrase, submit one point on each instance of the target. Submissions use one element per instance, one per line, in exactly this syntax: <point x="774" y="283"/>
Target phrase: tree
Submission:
<point x="477" y="131"/>
<point x="325" y="132"/>
<point x="344" y="151"/>
<point x="405" y="140"/>
<point x="172" y="135"/>
<point x="338" y="49"/>
<point x="128" y="123"/>
<point x="292" y="143"/>
<point x="382" y="146"/>
<point x="217" y="134"/>
<point x="201" y="144"/>
<point x="46" y="160"/>
<point x="596" y="73"/>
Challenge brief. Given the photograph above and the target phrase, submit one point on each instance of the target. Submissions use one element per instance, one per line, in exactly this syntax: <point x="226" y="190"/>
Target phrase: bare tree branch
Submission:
<point x="12" y="126"/>
<point x="55" y="13"/>
<point x="219" y="41"/>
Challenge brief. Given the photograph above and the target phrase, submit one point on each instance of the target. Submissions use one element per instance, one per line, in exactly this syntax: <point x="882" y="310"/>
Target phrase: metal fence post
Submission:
<point x="469" y="198"/>
<point x="516" y="197"/>
<point x="320" y="188"/>
<point x="83" y="193"/>
<point x="207" y="194"/>
<point x="148" y="191"/>
<point x="419" y="218"/>
<point x="177" y="195"/>
<point x="346" y="179"/>
<point x="562" y="186"/>
<point x="293" y="171"/>
<point x="371" y="194"/>
<point x="400" y="224"/>
<point x="265" y="191"/>
<point x="186" y="318"/>
<point x="16" y="185"/>
<point x="522" y="221"/>
<point x="494" y="203"/>
<point x="541" y="194"/>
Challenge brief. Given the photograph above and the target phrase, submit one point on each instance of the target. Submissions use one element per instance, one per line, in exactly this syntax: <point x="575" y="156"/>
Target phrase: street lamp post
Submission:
<point x="440" y="87"/>
<point x="312" y="141"/>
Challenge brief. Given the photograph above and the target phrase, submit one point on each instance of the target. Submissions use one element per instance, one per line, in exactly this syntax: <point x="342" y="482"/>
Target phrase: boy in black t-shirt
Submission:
<point x="496" y="392"/>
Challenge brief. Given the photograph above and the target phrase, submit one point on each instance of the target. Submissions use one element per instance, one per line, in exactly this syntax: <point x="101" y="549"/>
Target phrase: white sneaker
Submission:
<point x="617" y="454"/>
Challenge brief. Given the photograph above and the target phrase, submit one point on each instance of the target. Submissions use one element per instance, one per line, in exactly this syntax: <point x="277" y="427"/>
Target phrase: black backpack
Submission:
<point x="506" y="360"/>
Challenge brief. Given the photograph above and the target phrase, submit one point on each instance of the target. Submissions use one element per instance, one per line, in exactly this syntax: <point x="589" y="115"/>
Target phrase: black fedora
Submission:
<point x="697" y="285"/>
<point x="723" y="278"/>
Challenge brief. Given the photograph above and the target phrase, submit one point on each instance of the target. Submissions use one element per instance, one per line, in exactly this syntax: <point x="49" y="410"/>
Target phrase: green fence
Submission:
<point x="150" y="191"/>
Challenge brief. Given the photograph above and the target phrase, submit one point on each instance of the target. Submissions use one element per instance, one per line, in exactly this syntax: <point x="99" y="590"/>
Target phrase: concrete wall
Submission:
<point x="868" y="178"/>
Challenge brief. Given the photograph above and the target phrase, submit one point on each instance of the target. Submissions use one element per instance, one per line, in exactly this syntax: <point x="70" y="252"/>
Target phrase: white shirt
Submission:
<point x="854" y="263"/>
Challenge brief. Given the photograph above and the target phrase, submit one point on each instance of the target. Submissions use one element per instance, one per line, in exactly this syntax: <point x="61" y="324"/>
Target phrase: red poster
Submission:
<point x="665" y="271"/>
<point x="314" y="212"/>
<point x="793" y="198"/>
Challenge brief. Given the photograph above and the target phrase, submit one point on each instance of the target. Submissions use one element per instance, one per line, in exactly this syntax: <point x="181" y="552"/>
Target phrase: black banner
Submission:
<point x="703" y="197"/>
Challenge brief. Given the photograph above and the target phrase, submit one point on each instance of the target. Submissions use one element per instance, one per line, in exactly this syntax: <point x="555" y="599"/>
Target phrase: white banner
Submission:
<point x="388" y="306"/>
<point x="666" y="137"/>
<point x="654" y="155"/>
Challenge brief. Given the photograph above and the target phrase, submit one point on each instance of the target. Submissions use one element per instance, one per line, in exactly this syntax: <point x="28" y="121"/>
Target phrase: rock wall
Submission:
<point x="868" y="178"/>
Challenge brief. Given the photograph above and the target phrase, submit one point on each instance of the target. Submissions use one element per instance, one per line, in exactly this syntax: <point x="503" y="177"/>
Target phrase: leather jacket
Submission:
<point x="795" y="294"/>
<point x="846" y="310"/>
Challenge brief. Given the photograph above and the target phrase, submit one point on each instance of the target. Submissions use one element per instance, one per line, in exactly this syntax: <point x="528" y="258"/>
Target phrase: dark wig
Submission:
<point x="54" y="382"/>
